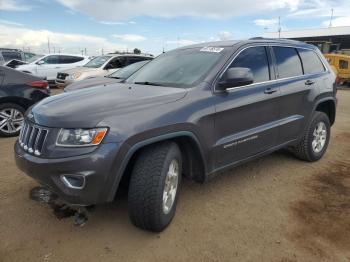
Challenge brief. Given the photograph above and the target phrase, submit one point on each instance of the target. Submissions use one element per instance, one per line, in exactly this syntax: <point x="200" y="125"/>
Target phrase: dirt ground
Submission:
<point x="273" y="209"/>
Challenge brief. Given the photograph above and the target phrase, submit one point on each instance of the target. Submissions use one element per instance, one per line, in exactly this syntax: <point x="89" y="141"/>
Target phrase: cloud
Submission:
<point x="37" y="40"/>
<point x="116" y="22"/>
<point x="111" y="23"/>
<point x="225" y="35"/>
<point x="108" y="10"/>
<point x="13" y="5"/>
<point x="181" y="42"/>
<point x="7" y="22"/>
<point x="321" y="8"/>
<point x="338" y="21"/>
<point x="266" y="22"/>
<point x="130" y="38"/>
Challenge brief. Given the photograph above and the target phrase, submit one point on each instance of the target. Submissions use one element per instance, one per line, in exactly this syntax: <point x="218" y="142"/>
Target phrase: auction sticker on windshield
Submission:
<point x="212" y="49"/>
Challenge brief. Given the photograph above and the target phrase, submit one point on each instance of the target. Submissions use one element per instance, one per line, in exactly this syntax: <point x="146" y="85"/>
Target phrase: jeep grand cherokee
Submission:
<point x="193" y="111"/>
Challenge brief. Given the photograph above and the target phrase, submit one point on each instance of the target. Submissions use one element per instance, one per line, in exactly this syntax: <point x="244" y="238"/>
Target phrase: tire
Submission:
<point x="9" y="121"/>
<point x="147" y="184"/>
<point x="306" y="150"/>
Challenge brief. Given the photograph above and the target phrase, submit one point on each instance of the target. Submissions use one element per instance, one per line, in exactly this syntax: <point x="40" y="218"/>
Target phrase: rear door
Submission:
<point x="246" y="120"/>
<point x="298" y="72"/>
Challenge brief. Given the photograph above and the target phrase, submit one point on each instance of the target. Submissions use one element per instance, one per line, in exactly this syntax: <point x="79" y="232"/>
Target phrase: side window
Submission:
<point x="65" y="59"/>
<point x="11" y="55"/>
<point x="311" y="61"/>
<point x="343" y="64"/>
<point x="116" y="62"/>
<point x="254" y="58"/>
<point x="51" y="59"/>
<point x="132" y="60"/>
<point x="288" y="62"/>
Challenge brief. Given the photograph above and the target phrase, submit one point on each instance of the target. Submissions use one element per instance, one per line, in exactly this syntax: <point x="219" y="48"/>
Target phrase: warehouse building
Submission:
<point x="328" y="40"/>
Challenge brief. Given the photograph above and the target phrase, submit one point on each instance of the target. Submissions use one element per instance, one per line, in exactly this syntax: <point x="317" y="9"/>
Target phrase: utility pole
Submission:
<point x="279" y="27"/>
<point x="330" y="21"/>
<point x="48" y="44"/>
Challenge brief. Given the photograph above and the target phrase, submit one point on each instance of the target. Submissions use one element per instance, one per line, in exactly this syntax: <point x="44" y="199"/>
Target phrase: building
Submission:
<point x="329" y="40"/>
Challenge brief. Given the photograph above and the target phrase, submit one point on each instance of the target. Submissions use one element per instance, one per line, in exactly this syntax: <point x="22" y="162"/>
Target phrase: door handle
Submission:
<point x="309" y="82"/>
<point x="270" y="90"/>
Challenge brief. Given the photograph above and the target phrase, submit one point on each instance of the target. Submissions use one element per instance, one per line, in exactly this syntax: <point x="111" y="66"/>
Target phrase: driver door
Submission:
<point x="246" y="120"/>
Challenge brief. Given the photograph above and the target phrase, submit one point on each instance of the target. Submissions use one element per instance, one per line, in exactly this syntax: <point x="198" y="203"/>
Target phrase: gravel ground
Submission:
<point x="273" y="209"/>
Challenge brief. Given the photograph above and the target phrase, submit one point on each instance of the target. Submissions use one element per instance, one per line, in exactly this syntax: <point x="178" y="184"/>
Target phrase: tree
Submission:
<point x="137" y="51"/>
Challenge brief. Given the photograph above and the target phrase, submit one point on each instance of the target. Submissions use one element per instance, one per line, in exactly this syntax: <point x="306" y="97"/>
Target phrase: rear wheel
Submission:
<point x="11" y="119"/>
<point x="154" y="186"/>
<point x="315" y="141"/>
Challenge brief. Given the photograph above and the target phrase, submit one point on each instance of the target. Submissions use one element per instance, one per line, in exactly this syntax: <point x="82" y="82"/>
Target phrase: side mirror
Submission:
<point x="41" y="62"/>
<point x="234" y="77"/>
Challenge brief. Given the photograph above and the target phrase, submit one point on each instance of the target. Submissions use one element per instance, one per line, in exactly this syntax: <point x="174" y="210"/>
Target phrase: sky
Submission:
<point x="73" y="26"/>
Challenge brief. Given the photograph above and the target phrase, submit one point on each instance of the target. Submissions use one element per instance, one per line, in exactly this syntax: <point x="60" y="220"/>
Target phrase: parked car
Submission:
<point x="194" y="111"/>
<point x="14" y="63"/>
<point x="116" y="77"/>
<point x="49" y="65"/>
<point x="99" y="66"/>
<point x="7" y="54"/>
<point x="18" y="91"/>
<point x="341" y="63"/>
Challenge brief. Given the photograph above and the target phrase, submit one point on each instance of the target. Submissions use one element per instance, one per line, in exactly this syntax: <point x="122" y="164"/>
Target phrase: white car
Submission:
<point x="49" y="65"/>
<point x="99" y="66"/>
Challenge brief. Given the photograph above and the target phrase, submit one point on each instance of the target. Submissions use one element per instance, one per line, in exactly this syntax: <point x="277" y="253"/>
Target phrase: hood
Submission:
<point x="87" y="107"/>
<point x="90" y="82"/>
<point x="81" y="69"/>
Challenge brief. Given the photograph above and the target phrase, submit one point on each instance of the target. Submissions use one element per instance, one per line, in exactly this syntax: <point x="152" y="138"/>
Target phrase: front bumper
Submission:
<point x="96" y="168"/>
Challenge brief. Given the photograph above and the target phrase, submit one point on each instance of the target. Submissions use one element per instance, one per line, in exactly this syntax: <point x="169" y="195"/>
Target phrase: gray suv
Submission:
<point x="194" y="111"/>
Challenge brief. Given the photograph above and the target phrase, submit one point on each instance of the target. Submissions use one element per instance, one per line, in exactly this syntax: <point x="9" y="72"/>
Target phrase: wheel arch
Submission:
<point x="194" y="165"/>
<point x="327" y="106"/>
<point x="23" y="102"/>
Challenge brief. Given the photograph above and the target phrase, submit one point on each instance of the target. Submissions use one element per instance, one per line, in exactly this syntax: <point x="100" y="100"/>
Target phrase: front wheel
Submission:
<point x="11" y="119"/>
<point x="315" y="140"/>
<point x="154" y="186"/>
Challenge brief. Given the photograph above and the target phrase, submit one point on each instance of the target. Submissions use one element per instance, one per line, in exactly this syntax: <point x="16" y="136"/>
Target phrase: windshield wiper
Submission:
<point x="115" y="77"/>
<point x="148" y="83"/>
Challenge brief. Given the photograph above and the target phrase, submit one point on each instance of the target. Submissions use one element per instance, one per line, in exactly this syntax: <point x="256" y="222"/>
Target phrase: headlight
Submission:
<point x="81" y="137"/>
<point x="74" y="76"/>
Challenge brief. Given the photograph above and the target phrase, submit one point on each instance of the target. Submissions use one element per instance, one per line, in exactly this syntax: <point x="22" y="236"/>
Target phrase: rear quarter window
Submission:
<point x="311" y="62"/>
<point x="288" y="62"/>
<point x="70" y="59"/>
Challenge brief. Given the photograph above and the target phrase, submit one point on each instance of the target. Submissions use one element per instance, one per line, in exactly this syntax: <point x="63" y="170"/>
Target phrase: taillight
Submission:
<point x="39" y="84"/>
<point x="337" y="80"/>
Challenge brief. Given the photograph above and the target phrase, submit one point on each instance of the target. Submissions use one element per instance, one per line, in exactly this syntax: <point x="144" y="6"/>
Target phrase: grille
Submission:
<point x="62" y="76"/>
<point x="32" y="138"/>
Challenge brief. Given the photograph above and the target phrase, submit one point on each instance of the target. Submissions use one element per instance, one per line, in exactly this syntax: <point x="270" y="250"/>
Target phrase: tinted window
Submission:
<point x="70" y="59"/>
<point x="11" y="55"/>
<point x="311" y="61"/>
<point x="51" y="59"/>
<point x="132" y="60"/>
<point x="255" y="59"/>
<point x="343" y="64"/>
<point x="288" y="62"/>
<point x="117" y="62"/>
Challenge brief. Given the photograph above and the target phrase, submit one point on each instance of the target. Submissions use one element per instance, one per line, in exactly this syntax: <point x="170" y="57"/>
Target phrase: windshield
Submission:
<point x="97" y="61"/>
<point x="127" y="71"/>
<point x="34" y="58"/>
<point x="181" y="68"/>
